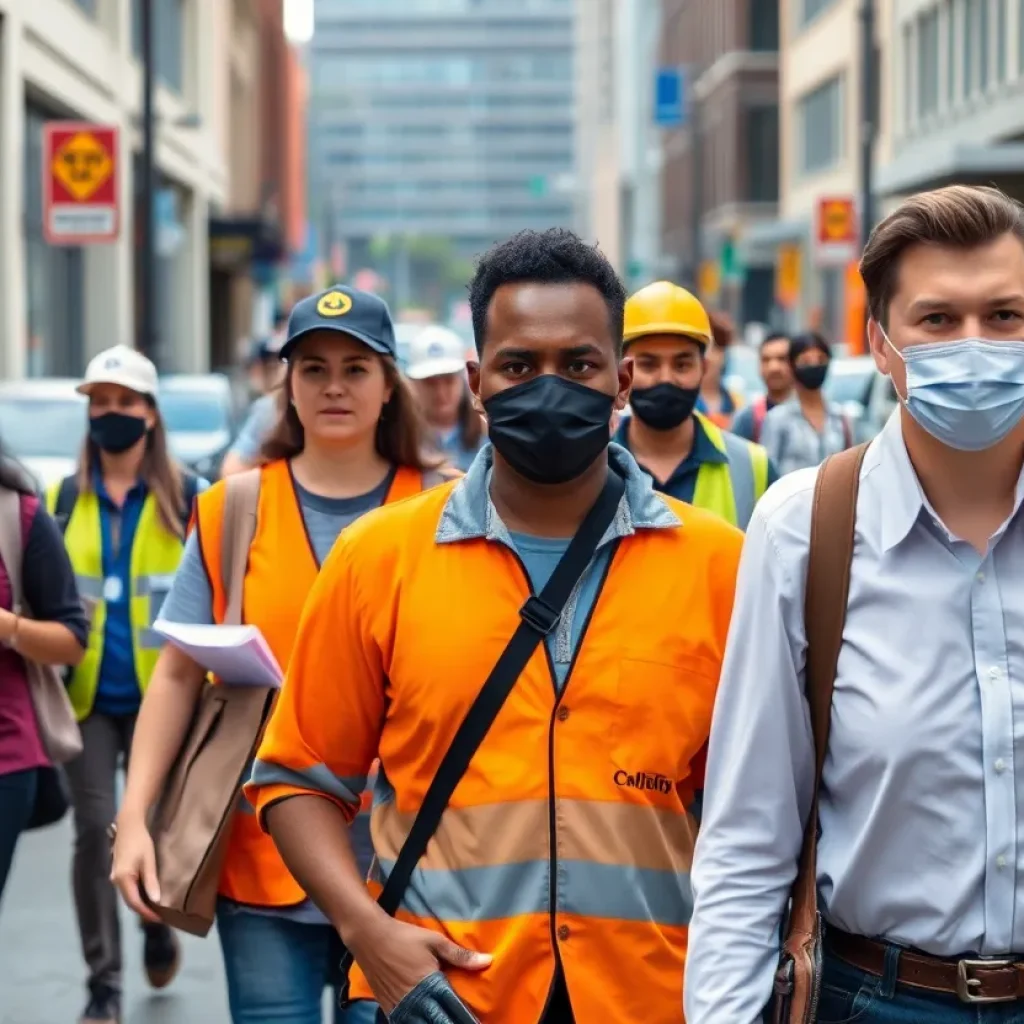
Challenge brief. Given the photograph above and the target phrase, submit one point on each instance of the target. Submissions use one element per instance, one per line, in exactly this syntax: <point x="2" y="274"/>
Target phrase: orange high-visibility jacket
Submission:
<point x="569" y="835"/>
<point x="281" y="571"/>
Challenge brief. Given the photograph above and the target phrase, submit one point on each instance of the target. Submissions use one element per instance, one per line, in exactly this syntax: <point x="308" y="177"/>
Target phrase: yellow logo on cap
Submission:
<point x="334" y="304"/>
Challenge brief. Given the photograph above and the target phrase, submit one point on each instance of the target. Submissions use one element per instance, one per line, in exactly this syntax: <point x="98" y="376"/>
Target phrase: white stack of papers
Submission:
<point x="239" y="655"/>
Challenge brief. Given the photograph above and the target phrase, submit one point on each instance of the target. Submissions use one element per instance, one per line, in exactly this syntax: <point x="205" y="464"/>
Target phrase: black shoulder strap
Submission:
<point x="189" y="490"/>
<point x="538" y="617"/>
<point x="67" y="496"/>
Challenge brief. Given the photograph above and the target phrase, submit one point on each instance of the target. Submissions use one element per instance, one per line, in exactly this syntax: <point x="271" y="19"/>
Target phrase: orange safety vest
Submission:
<point x="281" y="571"/>
<point x="569" y="838"/>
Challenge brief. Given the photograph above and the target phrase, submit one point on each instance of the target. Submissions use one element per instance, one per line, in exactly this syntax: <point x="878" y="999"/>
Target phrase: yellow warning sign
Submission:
<point x="82" y="165"/>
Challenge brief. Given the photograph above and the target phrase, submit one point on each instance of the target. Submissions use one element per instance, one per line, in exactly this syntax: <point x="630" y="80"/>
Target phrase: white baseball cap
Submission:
<point x="121" y="365"/>
<point x="435" y="351"/>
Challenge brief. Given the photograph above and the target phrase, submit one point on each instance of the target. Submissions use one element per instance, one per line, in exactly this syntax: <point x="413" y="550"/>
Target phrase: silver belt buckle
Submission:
<point x="967" y="986"/>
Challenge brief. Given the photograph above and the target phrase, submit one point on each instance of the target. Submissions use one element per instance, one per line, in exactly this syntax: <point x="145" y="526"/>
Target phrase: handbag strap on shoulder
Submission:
<point x="240" y="505"/>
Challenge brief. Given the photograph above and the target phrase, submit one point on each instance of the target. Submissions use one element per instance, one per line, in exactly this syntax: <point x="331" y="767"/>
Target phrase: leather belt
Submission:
<point x="998" y="980"/>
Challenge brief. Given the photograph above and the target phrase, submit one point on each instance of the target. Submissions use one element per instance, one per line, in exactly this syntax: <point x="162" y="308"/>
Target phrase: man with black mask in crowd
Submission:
<point x="667" y="333"/>
<point x="555" y="887"/>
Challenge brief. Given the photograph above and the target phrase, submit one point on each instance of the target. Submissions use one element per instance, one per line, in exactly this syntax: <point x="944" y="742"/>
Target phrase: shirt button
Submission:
<point x="563" y="714"/>
<point x="980" y="577"/>
<point x="563" y="932"/>
<point x="1000" y="765"/>
<point x="995" y="672"/>
<point x="1000" y="861"/>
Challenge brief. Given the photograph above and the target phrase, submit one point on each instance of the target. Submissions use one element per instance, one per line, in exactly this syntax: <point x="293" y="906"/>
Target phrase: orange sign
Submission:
<point x="836" y="231"/>
<point x="787" y="276"/>
<point x="80" y="183"/>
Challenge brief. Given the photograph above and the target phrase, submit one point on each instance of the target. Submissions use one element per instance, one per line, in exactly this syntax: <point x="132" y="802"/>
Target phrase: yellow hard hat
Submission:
<point x="665" y="308"/>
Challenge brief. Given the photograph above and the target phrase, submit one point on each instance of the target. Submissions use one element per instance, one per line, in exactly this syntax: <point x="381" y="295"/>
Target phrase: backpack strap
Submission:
<point x="760" y="411"/>
<point x="67" y="498"/>
<point x="189" y="490"/>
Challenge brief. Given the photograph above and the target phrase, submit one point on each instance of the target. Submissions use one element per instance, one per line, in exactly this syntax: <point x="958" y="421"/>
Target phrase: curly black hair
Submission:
<point x="554" y="256"/>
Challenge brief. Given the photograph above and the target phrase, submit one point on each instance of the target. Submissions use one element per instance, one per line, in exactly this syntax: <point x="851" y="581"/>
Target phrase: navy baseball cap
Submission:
<point x="362" y="315"/>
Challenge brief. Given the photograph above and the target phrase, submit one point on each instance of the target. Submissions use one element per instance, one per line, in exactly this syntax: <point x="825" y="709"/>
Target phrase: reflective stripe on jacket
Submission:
<point x="569" y="834"/>
<point x="154" y="559"/>
<point x="281" y="571"/>
<point x="733" y="489"/>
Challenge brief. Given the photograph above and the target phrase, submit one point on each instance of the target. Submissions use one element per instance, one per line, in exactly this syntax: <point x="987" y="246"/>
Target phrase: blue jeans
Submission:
<point x="17" y="800"/>
<point x="277" y="969"/>
<point x="849" y="996"/>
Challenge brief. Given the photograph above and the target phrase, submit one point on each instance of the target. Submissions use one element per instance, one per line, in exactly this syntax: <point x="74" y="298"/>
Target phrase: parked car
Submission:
<point x="201" y="414"/>
<point x="43" y="425"/>
<point x="866" y="396"/>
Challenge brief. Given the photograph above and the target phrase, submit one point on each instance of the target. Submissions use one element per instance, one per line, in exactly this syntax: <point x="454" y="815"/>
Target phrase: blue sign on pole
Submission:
<point x="670" y="98"/>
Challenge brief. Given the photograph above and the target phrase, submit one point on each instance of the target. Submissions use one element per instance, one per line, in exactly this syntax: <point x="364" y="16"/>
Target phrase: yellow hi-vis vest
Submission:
<point x="154" y="559"/>
<point x="734" y="488"/>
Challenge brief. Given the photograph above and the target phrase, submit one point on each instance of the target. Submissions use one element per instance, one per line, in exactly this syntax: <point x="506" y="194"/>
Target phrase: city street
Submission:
<point x="41" y="970"/>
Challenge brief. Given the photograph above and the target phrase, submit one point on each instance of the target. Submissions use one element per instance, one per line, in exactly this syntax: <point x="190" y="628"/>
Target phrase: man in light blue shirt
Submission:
<point x="921" y="814"/>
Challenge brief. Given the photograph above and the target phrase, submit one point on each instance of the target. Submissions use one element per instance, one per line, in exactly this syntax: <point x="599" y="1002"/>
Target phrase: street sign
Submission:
<point x="81" y="185"/>
<point x="787" y="276"/>
<point x="670" y="97"/>
<point x="836" y="231"/>
<point x="708" y="280"/>
<point x="538" y="185"/>
<point x="730" y="264"/>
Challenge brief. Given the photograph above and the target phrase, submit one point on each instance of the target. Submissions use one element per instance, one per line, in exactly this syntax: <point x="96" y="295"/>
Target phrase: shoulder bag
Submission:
<point x="538" y="617"/>
<point x="192" y="820"/>
<point x="833" y="529"/>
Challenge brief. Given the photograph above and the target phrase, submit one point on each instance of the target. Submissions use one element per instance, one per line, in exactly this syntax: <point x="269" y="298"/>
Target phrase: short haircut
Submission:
<point x="774" y="336"/>
<point x="721" y="329"/>
<point x="801" y="343"/>
<point x="959" y="216"/>
<point x="554" y="256"/>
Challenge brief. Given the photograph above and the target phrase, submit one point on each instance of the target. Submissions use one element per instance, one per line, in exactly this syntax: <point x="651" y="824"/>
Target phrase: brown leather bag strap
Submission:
<point x="241" y="501"/>
<point x="833" y="526"/>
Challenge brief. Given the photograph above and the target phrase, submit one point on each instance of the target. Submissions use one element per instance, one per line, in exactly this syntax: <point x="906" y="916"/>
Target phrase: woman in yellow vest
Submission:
<point x="348" y="440"/>
<point x="124" y="515"/>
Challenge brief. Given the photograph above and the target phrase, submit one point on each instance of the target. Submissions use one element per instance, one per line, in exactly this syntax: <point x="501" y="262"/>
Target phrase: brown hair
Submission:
<point x="400" y="437"/>
<point x="160" y="473"/>
<point x="721" y="329"/>
<point x="958" y="217"/>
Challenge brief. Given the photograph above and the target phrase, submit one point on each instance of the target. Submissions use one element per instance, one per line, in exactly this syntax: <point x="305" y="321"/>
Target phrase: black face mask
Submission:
<point x="549" y="430"/>
<point x="664" y="406"/>
<point x="116" y="432"/>
<point x="811" y="377"/>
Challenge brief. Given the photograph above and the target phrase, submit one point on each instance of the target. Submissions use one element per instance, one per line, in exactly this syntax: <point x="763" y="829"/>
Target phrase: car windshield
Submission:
<point x="42" y="427"/>
<point x="852" y="384"/>
<point x="193" y="412"/>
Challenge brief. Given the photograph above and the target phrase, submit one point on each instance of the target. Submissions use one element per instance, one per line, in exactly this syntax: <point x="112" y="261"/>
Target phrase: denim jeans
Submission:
<point x="277" y="969"/>
<point x="17" y="799"/>
<point x="849" y="996"/>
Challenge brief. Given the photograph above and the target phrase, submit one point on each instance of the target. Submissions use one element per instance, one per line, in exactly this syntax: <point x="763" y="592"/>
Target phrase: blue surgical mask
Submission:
<point x="968" y="394"/>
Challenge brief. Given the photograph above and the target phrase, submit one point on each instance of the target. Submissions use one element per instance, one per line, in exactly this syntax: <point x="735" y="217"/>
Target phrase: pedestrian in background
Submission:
<point x="919" y="858"/>
<point x="244" y="452"/>
<point x="348" y="438"/>
<point x="124" y="515"/>
<point x="808" y="428"/>
<point x="55" y="634"/>
<point x="437" y="368"/>
<point x="716" y="401"/>
<point x="777" y="375"/>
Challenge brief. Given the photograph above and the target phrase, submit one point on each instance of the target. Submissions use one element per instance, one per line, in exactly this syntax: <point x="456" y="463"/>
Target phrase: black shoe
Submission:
<point x="104" y="1006"/>
<point x="161" y="955"/>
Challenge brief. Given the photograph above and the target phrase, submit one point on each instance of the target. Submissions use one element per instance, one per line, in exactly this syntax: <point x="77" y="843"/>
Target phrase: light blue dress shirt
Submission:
<point x="922" y="802"/>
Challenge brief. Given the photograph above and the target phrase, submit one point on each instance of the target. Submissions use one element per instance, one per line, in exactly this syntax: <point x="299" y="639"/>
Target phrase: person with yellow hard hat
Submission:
<point x="668" y="333"/>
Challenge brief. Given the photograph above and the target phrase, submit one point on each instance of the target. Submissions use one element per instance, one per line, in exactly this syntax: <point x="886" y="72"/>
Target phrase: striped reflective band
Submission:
<point x="318" y="778"/>
<point x="616" y="892"/>
<point x="90" y="587"/>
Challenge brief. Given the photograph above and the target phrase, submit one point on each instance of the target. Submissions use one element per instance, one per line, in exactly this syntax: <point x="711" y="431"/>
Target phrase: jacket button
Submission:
<point x="563" y="714"/>
<point x="563" y="932"/>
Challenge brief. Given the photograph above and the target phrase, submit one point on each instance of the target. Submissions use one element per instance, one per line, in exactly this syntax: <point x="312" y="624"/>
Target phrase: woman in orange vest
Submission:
<point x="348" y="440"/>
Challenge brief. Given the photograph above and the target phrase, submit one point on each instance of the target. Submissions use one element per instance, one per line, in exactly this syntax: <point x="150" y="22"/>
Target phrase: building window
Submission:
<point x="168" y="40"/>
<point x="764" y="25"/>
<point x="812" y="8"/>
<point x="981" y="8"/>
<point x="928" y="64"/>
<point x="761" y="131"/>
<point x="821" y="127"/>
<point x="949" y="20"/>
<point x="1002" y="17"/>
<point x="1020" y="38"/>
<point x="970" y="42"/>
